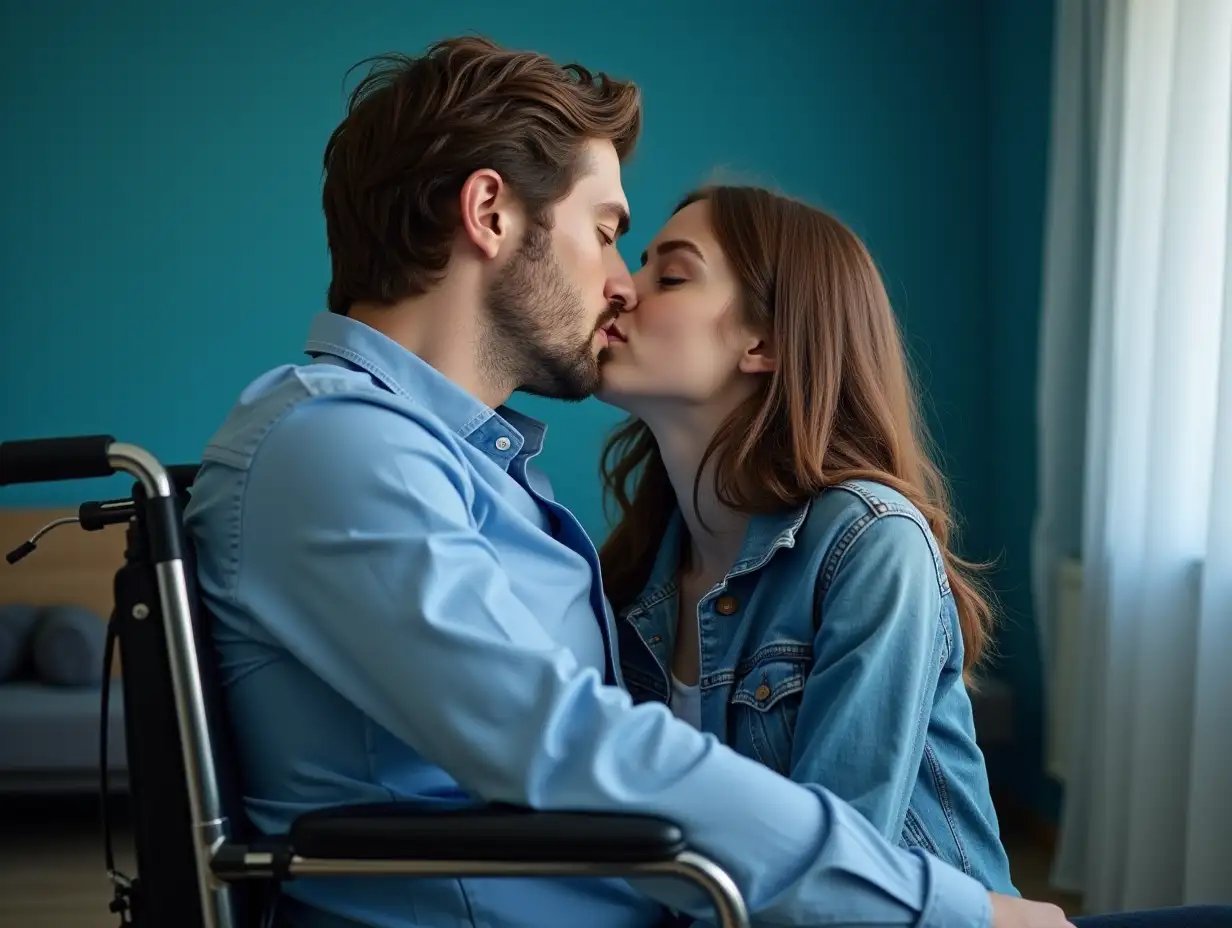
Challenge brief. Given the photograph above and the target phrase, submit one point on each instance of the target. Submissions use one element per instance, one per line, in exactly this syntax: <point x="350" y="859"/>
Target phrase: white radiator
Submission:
<point x="1062" y="693"/>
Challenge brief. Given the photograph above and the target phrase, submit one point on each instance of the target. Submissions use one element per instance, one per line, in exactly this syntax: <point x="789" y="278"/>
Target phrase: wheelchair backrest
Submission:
<point x="166" y="891"/>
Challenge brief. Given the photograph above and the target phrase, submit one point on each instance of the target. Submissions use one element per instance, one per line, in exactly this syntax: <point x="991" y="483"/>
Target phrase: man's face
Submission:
<point x="552" y="299"/>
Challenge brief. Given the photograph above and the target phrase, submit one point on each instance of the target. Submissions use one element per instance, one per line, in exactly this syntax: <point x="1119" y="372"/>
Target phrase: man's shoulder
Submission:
<point x="306" y="447"/>
<point x="317" y="406"/>
<point x="305" y="440"/>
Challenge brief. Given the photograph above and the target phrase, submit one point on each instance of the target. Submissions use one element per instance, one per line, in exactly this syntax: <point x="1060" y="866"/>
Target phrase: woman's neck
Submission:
<point x="717" y="535"/>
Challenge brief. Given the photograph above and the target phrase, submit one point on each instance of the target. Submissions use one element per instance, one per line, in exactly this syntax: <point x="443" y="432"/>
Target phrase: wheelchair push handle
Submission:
<point x="44" y="460"/>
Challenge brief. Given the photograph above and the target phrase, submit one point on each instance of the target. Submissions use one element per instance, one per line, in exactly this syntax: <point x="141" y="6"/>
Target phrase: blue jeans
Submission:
<point x="1195" y="916"/>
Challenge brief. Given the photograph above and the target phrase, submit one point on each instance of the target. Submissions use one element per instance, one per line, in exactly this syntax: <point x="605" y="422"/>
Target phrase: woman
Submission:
<point x="781" y="567"/>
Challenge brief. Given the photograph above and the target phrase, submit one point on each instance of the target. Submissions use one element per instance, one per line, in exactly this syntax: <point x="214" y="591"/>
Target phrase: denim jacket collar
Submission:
<point x="765" y="535"/>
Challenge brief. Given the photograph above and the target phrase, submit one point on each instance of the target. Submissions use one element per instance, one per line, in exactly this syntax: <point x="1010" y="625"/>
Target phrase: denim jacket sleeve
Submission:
<point x="877" y="658"/>
<point x="383" y="585"/>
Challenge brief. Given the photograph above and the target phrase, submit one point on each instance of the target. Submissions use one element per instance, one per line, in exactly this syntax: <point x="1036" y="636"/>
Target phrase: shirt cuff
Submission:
<point x="954" y="900"/>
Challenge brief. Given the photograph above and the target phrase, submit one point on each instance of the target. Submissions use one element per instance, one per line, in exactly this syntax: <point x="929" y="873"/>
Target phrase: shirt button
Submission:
<point x="503" y="443"/>
<point x="727" y="605"/>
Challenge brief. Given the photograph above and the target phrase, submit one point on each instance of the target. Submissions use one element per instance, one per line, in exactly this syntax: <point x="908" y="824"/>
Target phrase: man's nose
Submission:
<point x="620" y="290"/>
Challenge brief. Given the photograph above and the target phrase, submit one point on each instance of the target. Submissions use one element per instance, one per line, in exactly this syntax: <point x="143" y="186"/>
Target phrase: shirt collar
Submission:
<point x="405" y="374"/>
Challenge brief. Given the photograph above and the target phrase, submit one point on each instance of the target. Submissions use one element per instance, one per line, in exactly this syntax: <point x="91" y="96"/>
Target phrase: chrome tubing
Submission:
<point x="728" y="902"/>
<point x="209" y="826"/>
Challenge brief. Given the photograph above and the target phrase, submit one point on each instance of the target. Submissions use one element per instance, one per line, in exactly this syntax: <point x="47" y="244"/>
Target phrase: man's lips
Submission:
<point x="613" y="333"/>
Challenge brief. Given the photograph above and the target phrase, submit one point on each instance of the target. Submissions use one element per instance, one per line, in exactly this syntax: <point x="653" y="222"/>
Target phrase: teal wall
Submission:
<point x="1019" y="50"/>
<point x="161" y="239"/>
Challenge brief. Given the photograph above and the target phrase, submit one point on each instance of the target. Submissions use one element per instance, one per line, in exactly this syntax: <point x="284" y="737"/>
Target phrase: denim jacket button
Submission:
<point x="726" y="605"/>
<point x="762" y="693"/>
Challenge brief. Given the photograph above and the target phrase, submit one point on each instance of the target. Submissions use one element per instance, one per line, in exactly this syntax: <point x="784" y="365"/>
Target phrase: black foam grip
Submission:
<point x="403" y="831"/>
<point x="44" y="460"/>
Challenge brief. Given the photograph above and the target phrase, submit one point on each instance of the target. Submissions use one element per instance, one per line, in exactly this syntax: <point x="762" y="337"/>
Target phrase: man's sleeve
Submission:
<point x="359" y="553"/>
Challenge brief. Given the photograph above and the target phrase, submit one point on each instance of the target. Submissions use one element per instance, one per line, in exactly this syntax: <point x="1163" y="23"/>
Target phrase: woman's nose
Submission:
<point x="643" y="282"/>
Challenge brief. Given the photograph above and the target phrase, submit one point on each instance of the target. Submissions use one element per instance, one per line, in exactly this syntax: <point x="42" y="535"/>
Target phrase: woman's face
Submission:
<point x="684" y="343"/>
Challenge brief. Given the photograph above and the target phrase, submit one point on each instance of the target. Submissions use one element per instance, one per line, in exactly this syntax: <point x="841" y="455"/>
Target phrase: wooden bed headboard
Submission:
<point x="70" y="566"/>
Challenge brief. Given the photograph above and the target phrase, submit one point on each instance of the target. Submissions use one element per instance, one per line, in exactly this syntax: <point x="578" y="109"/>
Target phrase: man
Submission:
<point x="403" y="611"/>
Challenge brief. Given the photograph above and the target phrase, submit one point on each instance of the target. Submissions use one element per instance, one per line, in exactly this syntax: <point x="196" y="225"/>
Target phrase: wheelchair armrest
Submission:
<point x="409" y="831"/>
<point x="410" y="839"/>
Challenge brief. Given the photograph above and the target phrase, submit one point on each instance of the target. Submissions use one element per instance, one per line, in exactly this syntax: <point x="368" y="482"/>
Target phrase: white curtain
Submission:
<point x="1135" y="419"/>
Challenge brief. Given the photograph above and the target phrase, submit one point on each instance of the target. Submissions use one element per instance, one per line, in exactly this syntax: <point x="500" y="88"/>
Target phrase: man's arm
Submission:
<point x="359" y="554"/>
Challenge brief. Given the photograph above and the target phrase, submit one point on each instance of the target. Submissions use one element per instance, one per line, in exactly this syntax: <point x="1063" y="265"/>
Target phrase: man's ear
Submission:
<point x="759" y="357"/>
<point x="488" y="212"/>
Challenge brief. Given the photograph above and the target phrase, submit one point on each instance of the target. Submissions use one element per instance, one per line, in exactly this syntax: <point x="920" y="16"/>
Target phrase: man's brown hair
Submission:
<point x="417" y="128"/>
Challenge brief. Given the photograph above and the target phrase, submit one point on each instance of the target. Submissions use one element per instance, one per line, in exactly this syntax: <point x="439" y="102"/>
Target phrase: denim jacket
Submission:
<point x="831" y="653"/>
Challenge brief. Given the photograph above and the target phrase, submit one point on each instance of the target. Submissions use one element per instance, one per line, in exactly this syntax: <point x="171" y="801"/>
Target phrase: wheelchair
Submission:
<point x="200" y="863"/>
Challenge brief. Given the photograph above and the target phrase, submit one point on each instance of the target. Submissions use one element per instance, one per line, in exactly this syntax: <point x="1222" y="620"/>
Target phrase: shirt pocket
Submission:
<point x="763" y="709"/>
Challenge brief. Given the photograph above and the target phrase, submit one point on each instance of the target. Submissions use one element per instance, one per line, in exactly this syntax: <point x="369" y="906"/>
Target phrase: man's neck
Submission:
<point x="717" y="535"/>
<point x="443" y="329"/>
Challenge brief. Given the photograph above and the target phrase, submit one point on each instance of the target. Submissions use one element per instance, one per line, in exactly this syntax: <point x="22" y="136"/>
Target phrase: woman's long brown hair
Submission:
<point x="840" y="404"/>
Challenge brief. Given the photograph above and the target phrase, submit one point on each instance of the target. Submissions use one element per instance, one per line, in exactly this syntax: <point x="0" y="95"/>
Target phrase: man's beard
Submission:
<point x="534" y="315"/>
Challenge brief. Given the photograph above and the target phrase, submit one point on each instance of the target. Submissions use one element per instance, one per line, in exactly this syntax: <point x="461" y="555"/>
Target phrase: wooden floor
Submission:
<point x="52" y="871"/>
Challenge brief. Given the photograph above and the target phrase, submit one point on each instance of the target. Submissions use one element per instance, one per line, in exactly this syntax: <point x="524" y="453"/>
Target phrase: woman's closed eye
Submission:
<point x="671" y="281"/>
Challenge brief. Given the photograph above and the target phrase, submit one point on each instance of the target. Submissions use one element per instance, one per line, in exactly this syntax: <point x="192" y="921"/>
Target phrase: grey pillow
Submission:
<point x="68" y="646"/>
<point x="16" y="625"/>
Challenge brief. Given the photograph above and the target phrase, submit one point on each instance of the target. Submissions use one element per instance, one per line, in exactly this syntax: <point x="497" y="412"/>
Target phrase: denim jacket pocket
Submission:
<point x="915" y="835"/>
<point x="762" y="715"/>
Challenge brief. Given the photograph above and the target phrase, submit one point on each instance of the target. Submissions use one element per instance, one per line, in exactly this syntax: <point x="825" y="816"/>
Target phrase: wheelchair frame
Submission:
<point x="197" y="857"/>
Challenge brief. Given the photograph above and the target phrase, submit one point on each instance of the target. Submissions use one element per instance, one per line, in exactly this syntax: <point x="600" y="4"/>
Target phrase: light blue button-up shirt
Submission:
<point x="403" y="612"/>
